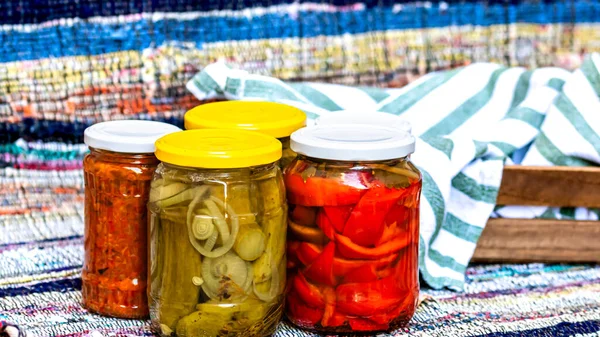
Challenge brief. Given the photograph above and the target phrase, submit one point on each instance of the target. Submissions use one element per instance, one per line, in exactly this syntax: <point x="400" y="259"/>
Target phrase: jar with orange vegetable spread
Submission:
<point x="353" y="229"/>
<point x="117" y="175"/>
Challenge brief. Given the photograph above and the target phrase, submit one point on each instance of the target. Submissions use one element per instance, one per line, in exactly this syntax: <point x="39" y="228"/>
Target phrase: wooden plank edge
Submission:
<point x="558" y="186"/>
<point x="539" y="240"/>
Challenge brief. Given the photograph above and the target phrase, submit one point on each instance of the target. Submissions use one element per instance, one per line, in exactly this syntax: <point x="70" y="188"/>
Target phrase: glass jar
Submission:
<point x="218" y="218"/>
<point x="353" y="228"/>
<point x="117" y="175"/>
<point x="273" y="119"/>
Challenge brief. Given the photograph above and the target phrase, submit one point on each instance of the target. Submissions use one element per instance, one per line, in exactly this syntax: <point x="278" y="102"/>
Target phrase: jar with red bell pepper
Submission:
<point x="353" y="229"/>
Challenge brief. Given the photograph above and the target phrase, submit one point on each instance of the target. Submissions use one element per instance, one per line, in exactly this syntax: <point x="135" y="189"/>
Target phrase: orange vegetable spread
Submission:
<point x="116" y="193"/>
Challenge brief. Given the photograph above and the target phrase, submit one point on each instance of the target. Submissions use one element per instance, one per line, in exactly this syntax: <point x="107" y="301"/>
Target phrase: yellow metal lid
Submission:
<point x="274" y="119"/>
<point x="214" y="148"/>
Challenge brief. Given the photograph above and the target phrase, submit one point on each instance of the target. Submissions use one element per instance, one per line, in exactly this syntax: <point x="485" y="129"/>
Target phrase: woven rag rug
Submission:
<point x="65" y="64"/>
<point x="41" y="249"/>
<point x="40" y="292"/>
<point x="469" y="122"/>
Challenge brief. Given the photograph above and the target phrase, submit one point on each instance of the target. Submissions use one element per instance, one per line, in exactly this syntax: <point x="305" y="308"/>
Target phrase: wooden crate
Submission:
<point x="538" y="240"/>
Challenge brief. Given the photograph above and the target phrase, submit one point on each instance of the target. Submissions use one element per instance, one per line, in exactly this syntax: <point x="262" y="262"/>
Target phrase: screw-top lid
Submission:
<point x="274" y="119"/>
<point x="358" y="117"/>
<point x="127" y="136"/>
<point x="353" y="142"/>
<point x="218" y="148"/>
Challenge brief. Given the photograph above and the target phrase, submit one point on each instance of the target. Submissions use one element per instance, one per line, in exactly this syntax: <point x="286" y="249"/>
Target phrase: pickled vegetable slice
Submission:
<point x="308" y="292"/>
<point x="398" y="171"/>
<point x="338" y="215"/>
<point x="351" y="250"/>
<point x="342" y="267"/>
<point x="329" y="295"/>
<point x="212" y="319"/>
<point x="228" y="237"/>
<point x="307" y="253"/>
<point x="370" y="298"/>
<point x="275" y="247"/>
<point x="326" y="226"/>
<point x="226" y="278"/>
<point x="305" y="233"/>
<point x="164" y="192"/>
<point x="176" y="293"/>
<point x="268" y="290"/>
<point x="304" y="315"/>
<point x="366" y="222"/>
<point x="366" y="273"/>
<point x="183" y="196"/>
<point x="305" y="216"/>
<point x="321" y="270"/>
<point x="203" y="227"/>
<point x="319" y="191"/>
<point x="250" y="242"/>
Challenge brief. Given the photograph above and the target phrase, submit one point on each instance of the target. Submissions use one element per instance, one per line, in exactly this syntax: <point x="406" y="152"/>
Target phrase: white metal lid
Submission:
<point x="350" y="142"/>
<point x="362" y="117"/>
<point x="127" y="136"/>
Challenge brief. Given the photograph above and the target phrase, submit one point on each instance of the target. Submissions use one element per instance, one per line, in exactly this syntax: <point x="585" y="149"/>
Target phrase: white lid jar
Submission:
<point x="353" y="142"/>
<point x="364" y="118"/>
<point x="353" y="228"/>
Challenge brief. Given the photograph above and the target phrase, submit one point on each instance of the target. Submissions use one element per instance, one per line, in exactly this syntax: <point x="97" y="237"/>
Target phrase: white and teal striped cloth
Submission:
<point x="469" y="122"/>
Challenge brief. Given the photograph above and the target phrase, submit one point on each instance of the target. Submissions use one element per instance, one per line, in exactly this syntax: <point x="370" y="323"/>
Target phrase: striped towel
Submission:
<point x="469" y="122"/>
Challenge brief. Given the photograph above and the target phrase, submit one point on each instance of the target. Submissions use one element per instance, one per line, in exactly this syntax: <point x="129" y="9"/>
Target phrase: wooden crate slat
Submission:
<point x="538" y="240"/>
<point x="557" y="186"/>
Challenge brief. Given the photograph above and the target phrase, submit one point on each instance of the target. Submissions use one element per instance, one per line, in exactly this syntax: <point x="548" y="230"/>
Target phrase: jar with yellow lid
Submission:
<point x="218" y="219"/>
<point x="273" y="119"/>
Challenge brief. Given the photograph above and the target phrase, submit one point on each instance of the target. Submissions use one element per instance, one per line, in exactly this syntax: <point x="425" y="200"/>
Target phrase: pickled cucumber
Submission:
<point x="274" y="227"/>
<point x="215" y="319"/>
<point x="272" y="193"/>
<point x="175" y="293"/>
<point x="238" y="197"/>
<point x="250" y="242"/>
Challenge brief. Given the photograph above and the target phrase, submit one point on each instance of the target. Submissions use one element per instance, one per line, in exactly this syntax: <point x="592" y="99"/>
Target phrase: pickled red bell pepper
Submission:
<point x="329" y="294"/>
<point x="307" y="253"/>
<point x="305" y="316"/>
<point x="291" y="251"/>
<point x="303" y="215"/>
<point x="306" y="233"/>
<point x="359" y="324"/>
<point x="351" y="250"/>
<point x="370" y="298"/>
<point x="321" y="269"/>
<point x="342" y="267"/>
<point x="395" y="312"/>
<point x="366" y="273"/>
<point x="391" y="232"/>
<point x="309" y="293"/>
<point x="319" y="191"/>
<point x="366" y="222"/>
<point x="338" y="215"/>
<point x="326" y="226"/>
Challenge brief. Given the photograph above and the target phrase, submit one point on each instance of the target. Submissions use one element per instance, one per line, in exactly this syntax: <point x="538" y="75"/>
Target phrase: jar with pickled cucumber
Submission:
<point x="218" y="218"/>
<point x="117" y="175"/>
<point x="273" y="119"/>
<point x="353" y="229"/>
